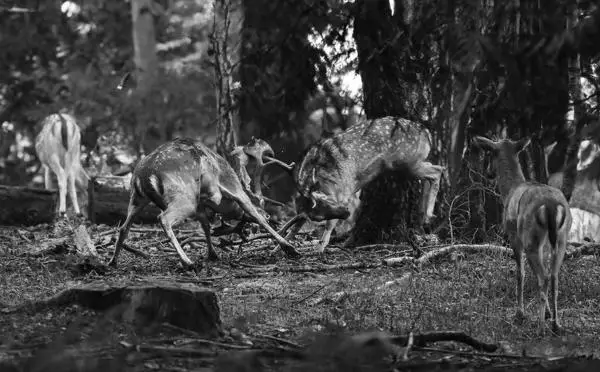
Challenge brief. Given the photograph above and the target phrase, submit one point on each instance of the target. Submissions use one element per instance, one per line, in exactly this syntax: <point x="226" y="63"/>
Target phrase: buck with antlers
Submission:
<point x="183" y="177"/>
<point x="534" y="215"/>
<point x="58" y="148"/>
<point x="335" y="169"/>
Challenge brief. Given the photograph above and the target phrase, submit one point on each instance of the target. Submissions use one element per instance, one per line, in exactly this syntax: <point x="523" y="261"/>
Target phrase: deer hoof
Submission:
<point x="112" y="263"/>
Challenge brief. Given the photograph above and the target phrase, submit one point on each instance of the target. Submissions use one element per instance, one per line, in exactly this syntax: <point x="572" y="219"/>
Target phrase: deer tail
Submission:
<point x="553" y="216"/>
<point x="64" y="132"/>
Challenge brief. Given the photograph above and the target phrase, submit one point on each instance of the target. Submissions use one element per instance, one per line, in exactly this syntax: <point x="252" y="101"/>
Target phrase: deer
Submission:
<point x="183" y="178"/>
<point x="535" y="216"/>
<point x="58" y="147"/>
<point x="587" y="152"/>
<point x="334" y="170"/>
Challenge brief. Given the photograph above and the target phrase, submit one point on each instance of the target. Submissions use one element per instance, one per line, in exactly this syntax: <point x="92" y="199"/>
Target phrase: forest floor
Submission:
<point x="282" y="306"/>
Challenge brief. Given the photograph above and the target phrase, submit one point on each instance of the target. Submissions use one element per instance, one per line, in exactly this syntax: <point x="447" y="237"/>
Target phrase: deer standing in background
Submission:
<point x="534" y="215"/>
<point x="183" y="177"/>
<point x="335" y="169"/>
<point x="58" y="148"/>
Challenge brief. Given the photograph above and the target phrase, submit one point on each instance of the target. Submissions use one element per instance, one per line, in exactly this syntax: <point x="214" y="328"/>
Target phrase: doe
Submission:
<point x="534" y="214"/>
<point x="58" y="148"/>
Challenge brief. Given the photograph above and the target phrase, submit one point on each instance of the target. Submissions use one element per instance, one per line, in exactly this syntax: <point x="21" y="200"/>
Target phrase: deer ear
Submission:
<point x="484" y="143"/>
<point x="522" y="144"/>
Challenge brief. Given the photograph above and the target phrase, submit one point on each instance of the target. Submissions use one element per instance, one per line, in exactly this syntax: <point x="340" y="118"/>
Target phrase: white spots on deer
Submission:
<point x="154" y="183"/>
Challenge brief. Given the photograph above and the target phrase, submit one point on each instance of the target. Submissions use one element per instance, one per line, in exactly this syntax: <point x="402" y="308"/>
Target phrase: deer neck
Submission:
<point x="509" y="175"/>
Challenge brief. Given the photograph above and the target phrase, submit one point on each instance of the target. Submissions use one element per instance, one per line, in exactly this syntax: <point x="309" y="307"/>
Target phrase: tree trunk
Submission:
<point x="389" y="204"/>
<point x="226" y="127"/>
<point x="146" y="63"/>
<point x="575" y="106"/>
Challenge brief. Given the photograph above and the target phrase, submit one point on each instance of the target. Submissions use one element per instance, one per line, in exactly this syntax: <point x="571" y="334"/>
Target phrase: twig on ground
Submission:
<point x="193" y="239"/>
<point x="391" y="247"/>
<point x="178" y="341"/>
<point x="105" y="232"/>
<point x="134" y="250"/>
<point x="324" y="267"/>
<point x="475" y="353"/>
<point x="281" y="341"/>
<point x="427" y="257"/>
<point x="171" y="351"/>
<point x="311" y="294"/>
<point x="426" y="338"/>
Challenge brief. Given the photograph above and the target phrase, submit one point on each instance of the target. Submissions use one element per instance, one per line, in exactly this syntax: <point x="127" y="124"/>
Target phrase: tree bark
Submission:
<point x="146" y="63"/>
<point x="389" y="204"/>
<point x="575" y="105"/>
<point x="226" y="127"/>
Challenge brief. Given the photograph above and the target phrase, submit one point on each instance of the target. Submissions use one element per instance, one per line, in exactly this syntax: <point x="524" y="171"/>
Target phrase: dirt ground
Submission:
<point x="273" y="307"/>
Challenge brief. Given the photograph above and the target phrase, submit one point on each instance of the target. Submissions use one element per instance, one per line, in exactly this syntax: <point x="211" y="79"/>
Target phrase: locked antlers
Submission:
<point x="263" y="155"/>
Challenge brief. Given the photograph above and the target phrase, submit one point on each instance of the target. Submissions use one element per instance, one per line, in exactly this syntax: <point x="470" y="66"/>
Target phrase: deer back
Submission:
<point x="524" y="200"/>
<point x="60" y="136"/>
<point x="340" y="165"/>
<point x="180" y="166"/>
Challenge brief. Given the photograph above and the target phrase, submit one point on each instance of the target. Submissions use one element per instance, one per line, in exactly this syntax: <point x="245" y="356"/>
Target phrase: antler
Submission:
<point x="271" y="160"/>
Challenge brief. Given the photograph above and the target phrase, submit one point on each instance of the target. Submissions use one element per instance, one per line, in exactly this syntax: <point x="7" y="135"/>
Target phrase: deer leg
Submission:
<point x="329" y="226"/>
<point x="176" y="212"/>
<point x="535" y="258"/>
<point x="244" y="202"/>
<point x="136" y="204"/>
<point x="432" y="174"/>
<point x="73" y="193"/>
<point x="520" y="260"/>
<point x="47" y="177"/>
<point x="557" y="260"/>
<point x="61" y="178"/>
<point x="212" y="255"/>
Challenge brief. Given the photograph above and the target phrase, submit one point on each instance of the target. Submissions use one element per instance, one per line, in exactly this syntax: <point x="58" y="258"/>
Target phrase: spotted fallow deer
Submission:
<point x="535" y="216"/>
<point x="58" y="148"/>
<point x="335" y="169"/>
<point x="183" y="177"/>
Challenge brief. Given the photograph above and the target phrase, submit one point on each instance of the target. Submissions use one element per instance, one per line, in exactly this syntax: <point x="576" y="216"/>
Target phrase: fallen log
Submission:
<point x="184" y="305"/>
<point x="27" y="206"/>
<point x="108" y="198"/>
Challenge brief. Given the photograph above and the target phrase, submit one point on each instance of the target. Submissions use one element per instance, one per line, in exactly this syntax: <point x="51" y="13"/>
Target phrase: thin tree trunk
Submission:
<point x="389" y="204"/>
<point x="146" y="63"/>
<point x="226" y="126"/>
<point x="575" y="105"/>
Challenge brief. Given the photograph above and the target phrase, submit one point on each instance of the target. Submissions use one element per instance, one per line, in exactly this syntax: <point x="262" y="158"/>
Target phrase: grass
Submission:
<point x="473" y="293"/>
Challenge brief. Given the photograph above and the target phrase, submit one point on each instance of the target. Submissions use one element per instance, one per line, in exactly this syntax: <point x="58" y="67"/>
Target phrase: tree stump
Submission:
<point x="184" y="305"/>
<point x="27" y="206"/>
<point x="108" y="198"/>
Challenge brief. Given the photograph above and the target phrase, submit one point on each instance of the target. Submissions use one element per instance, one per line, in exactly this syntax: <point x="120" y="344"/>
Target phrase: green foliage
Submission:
<point x="280" y="69"/>
<point x="73" y="58"/>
